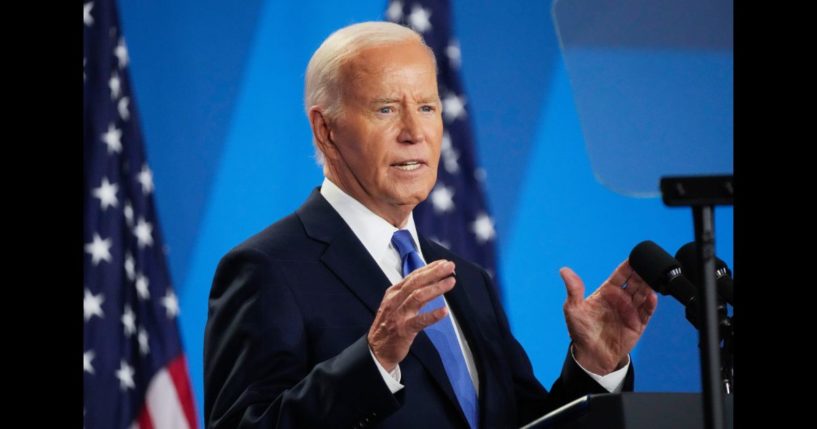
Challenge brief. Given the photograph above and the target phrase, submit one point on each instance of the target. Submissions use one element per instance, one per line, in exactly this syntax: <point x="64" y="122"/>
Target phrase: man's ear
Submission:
<point x="322" y="131"/>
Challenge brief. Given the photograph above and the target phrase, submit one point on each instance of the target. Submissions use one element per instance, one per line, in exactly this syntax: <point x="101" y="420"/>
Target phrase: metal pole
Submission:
<point x="709" y="337"/>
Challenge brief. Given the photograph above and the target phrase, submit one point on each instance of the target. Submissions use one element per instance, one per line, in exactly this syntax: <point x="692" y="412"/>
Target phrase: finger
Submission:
<point x="422" y="320"/>
<point x="645" y="304"/>
<point x="637" y="281"/>
<point x="424" y="276"/>
<point x="574" y="286"/>
<point x="627" y="287"/>
<point x="636" y="285"/>
<point x="640" y="296"/>
<point x="647" y="309"/>
<point x="417" y="272"/>
<point x="418" y="298"/>
<point x="620" y="276"/>
<point x="396" y="295"/>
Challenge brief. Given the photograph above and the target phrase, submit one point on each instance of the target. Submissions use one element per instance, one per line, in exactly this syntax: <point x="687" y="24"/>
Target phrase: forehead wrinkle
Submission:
<point x="358" y="73"/>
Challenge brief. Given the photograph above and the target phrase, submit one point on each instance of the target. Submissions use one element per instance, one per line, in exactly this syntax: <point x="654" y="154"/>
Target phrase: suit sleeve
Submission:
<point x="532" y="399"/>
<point x="257" y="369"/>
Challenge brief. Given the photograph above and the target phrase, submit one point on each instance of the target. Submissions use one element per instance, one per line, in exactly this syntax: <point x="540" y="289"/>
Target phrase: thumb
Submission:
<point x="574" y="286"/>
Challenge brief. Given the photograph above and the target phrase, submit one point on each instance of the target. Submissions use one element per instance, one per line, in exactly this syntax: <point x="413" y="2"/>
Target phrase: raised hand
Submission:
<point x="606" y="326"/>
<point x="397" y="321"/>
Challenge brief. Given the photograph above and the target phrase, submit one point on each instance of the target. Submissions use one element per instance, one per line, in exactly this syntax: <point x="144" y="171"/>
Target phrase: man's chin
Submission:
<point x="413" y="202"/>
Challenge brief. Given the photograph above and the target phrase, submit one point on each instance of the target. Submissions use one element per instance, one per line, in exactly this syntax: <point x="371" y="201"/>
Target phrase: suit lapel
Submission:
<point x="345" y="255"/>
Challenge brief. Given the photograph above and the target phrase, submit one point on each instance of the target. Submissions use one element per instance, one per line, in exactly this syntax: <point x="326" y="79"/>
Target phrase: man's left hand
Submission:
<point x="607" y="325"/>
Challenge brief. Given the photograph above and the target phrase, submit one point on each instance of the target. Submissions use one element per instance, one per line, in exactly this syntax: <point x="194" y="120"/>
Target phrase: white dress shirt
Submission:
<point x="375" y="233"/>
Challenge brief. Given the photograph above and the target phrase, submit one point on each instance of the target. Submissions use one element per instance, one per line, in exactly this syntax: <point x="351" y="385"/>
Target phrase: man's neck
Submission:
<point x="398" y="216"/>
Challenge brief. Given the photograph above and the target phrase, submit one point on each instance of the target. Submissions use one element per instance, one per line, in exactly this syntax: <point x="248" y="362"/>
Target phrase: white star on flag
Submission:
<point x="86" y="17"/>
<point x="171" y="304"/>
<point x="128" y="214"/>
<point x="115" y="85"/>
<point x="113" y="138"/>
<point x="483" y="227"/>
<point x="450" y="155"/>
<point x="144" y="346"/>
<point x="453" y="107"/>
<point x="442" y="198"/>
<point x="92" y="305"/>
<point x="395" y="11"/>
<point x="121" y="53"/>
<point x="418" y="19"/>
<point x="480" y="174"/>
<point x="142" y="283"/>
<point x="452" y="51"/>
<point x="106" y="192"/>
<point x="125" y="375"/>
<point x="122" y="108"/>
<point x="130" y="267"/>
<point x="146" y="179"/>
<point x="129" y="320"/>
<point x="99" y="249"/>
<point x="87" y="359"/>
<point x="143" y="233"/>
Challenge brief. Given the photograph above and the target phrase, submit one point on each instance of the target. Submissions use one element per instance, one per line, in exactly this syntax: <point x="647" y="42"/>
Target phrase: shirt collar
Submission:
<point x="372" y="230"/>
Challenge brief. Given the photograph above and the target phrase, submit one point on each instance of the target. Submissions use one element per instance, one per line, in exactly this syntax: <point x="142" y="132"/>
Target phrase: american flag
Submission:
<point x="455" y="213"/>
<point x="134" y="369"/>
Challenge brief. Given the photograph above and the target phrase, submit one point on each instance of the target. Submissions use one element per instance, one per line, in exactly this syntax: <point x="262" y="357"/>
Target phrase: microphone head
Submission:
<point x="663" y="273"/>
<point x="687" y="256"/>
<point x="652" y="263"/>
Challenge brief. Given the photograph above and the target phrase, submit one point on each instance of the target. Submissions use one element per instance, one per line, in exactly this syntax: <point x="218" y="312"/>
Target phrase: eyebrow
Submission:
<point x="386" y="100"/>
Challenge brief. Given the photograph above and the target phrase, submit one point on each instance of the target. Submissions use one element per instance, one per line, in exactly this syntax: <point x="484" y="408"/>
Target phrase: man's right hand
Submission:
<point x="397" y="322"/>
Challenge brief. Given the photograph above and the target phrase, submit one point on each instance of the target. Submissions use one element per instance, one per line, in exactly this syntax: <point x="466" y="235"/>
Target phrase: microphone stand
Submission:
<point x="727" y="358"/>
<point x="702" y="193"/>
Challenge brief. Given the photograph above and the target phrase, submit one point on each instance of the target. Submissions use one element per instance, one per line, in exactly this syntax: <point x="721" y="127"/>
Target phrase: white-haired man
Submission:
<point x="342" y="315"/>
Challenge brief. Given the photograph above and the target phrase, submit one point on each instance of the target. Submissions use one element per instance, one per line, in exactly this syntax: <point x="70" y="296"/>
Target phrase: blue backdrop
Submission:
<point x="219" y="89"/>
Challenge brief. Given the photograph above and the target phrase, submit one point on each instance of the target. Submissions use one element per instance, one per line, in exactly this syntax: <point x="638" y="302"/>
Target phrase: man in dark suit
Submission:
<point x="342" y="315"/>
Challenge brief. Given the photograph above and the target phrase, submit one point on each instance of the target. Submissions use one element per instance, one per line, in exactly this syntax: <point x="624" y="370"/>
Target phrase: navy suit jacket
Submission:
<point x="285" y="342"/>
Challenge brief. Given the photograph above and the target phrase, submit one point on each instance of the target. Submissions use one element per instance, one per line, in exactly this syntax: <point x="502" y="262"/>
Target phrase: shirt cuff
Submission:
<point x="612" y="382"/>
<point x="392" y="378"/>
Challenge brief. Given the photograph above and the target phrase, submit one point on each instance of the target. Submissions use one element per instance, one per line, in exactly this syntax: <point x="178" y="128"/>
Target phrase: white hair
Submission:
<point x="323" y="86"/>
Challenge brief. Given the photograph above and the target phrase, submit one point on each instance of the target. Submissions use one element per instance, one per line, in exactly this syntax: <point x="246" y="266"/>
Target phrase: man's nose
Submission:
<point x="411" y="131"/>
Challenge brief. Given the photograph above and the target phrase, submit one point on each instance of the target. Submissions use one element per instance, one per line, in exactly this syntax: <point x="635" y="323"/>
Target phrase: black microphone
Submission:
<point x="663" y="273"/>
<point x="687" y="255"/>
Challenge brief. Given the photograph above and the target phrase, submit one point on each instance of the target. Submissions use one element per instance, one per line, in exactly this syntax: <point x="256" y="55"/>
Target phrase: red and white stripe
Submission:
<point x="169" y="400"/>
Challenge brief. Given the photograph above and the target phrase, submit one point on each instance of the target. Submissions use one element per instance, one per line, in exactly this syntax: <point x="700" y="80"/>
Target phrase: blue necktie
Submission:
<point x="442" y="334"/>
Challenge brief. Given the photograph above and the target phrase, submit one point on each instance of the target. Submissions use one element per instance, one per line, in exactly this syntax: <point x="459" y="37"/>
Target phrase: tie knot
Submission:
<point x="403" y="242"/>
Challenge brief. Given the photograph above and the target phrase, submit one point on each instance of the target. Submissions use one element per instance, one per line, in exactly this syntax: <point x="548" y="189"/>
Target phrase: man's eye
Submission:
<point x="428" y="108"/>
<point x="386" y="109"/>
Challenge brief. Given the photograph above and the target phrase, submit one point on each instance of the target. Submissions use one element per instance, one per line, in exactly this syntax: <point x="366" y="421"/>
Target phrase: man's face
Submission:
<point x="389" y="131"/>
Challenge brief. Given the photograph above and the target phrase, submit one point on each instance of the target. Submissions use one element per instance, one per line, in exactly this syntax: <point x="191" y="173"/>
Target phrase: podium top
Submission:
<point x="631" y="410"/>
<point x="571" y="410"/>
